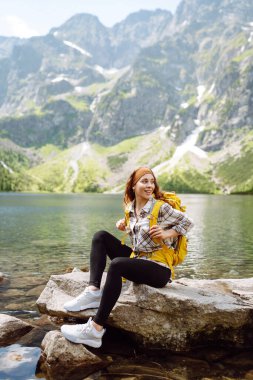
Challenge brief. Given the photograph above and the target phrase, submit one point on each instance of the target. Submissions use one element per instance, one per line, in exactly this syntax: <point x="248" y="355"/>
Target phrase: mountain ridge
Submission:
<point x="152" y="70"/>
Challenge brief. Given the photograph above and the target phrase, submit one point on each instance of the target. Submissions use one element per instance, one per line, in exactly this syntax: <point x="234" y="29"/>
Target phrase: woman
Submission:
<point x="140" y="193"/>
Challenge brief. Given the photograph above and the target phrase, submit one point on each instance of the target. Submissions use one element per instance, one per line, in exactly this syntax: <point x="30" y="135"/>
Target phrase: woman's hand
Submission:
<point x="157" y="232"/>
<point x="121" y="225"/>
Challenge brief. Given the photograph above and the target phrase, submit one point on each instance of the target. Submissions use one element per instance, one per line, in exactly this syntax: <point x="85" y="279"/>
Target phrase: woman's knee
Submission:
<point x="116" y="264"/>
<point x="100" y="236"/>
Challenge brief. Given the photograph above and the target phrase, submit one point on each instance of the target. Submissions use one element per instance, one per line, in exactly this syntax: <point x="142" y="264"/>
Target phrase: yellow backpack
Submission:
<point x="180" y="251"/>
<point x="174" y="201"/>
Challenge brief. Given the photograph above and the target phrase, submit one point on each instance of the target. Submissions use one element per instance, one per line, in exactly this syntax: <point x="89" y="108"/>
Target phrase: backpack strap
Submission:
<point x="154" y="216"/>
<point x="127" y="217"/>
<point x="155" y="212"/>
<point x="127" y="221"/>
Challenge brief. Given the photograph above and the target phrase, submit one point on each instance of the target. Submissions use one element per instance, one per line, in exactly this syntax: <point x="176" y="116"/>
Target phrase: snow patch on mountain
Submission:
<point x="187" y="146"/>
<point x="78" y="48"/>
<point x="59" y="79"/>
<point x="200" y="90"/>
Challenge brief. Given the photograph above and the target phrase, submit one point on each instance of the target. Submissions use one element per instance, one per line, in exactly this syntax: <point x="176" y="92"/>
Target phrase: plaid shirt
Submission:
<point x="168" y="218"/>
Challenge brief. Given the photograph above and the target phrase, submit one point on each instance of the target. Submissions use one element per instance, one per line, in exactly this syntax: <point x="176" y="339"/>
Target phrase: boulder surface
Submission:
<point x="11" y="329"/>
<point x="62" y="360"/>
<point x="181" y="316"/>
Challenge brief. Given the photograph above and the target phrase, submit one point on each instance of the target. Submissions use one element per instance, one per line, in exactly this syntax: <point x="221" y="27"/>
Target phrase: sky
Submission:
<point x="26" y="18"/>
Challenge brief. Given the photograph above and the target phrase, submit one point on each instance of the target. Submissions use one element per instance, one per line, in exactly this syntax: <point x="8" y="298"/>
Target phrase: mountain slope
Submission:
<point x="85" y="83"/>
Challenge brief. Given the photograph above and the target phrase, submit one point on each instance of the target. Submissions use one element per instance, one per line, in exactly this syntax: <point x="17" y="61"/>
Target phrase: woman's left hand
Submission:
<point x="157" y="232"/>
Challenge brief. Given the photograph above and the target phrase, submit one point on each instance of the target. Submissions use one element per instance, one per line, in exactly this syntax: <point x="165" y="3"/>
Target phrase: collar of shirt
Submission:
<point x="145" y="209"/>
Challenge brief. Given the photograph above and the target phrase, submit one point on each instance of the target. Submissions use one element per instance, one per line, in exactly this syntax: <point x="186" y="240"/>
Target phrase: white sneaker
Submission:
<point x="89" y="299"/>
<point x="85" y="334"/>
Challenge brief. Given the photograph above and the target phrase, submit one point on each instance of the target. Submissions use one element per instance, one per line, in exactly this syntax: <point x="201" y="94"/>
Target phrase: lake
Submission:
<point x="43" y="234"/>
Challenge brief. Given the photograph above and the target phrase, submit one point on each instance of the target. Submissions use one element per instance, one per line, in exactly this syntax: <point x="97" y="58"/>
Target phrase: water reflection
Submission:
<point x="17" y="362"/>
<point x="221" y="244"/>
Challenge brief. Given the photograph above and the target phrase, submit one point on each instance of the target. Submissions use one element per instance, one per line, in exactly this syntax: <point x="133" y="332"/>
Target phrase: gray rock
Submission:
<point x="60" y="289"/>
<point x="11" y="329"/>
<point x="181" y="316"/>
<point x="64" y="360"/>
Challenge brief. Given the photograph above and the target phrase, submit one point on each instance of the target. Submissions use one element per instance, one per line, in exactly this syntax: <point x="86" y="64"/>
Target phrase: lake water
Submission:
<point x="42" y="234"/>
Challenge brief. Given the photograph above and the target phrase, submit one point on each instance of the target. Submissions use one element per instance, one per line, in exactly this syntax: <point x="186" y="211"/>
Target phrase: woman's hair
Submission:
<point x="129" y="195"/>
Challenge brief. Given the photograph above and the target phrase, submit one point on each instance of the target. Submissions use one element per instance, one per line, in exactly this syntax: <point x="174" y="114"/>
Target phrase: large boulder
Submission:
<point x="181" y="316"/>
<point x="11" y="329"/>
<point x="62" y="360"/>
<point x="60" y="289"/>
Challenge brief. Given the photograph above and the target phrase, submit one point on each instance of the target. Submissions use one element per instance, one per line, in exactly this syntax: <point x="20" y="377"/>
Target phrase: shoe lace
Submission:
<point x="86" y="291"/>
<point x="86" y="327"/>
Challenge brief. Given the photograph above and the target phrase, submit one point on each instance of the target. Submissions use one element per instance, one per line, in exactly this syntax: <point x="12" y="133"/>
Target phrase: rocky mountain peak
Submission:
<point x="143" y="16"/>
<point x="79" y="22"/>
<point x="150" y="71"/>
<point x="210" y="10"/>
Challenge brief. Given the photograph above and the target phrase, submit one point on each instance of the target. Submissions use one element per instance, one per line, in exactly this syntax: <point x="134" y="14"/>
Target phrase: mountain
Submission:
<point x="189" y="75"/>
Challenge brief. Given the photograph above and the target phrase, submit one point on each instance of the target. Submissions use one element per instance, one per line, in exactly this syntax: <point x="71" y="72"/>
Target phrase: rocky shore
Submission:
<point x="203" y="321"/>
<point x="179" y="317"/>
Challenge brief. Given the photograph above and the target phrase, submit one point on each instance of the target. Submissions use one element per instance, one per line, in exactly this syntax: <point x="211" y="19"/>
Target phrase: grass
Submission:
<point x="51" y="176"/>
<point x="49" y="150"/>
<point x="190" y="181"/>
<point x="237" y="172"/>
<point x="126" y="146"/>
<point x="156" y="152"/>
<point x="32" y="106"/>
<point x="78" y="103"/>
<point x="116" y="161"/>
<point x="239" y="58"/>
<point x="91" y="177"/>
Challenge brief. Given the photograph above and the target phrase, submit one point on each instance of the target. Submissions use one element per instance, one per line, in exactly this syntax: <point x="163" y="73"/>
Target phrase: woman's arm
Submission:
<point x="171" y="223"/>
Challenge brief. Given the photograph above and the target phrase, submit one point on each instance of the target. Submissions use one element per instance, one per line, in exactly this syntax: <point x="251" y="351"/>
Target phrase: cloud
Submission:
<point x="15" y="26"/>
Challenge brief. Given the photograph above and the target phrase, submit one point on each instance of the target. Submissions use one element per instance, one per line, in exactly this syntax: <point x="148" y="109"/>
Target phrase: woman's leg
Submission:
<point x="104" y="244"/>
<point x="136" y="270"/>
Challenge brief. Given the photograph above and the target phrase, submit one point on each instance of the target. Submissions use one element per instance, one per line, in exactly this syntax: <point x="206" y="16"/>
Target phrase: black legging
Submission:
<point x="136" y="270"/>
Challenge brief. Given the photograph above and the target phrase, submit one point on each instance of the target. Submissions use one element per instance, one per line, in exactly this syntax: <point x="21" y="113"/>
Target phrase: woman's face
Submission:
<point x="145" y="187"/>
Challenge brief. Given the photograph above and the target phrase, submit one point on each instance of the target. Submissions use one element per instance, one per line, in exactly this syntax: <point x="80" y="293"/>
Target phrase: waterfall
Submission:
<point x="6" y="167"/>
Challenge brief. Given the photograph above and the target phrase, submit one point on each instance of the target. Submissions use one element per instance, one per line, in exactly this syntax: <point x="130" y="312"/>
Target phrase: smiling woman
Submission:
<point x="146" y="262"/>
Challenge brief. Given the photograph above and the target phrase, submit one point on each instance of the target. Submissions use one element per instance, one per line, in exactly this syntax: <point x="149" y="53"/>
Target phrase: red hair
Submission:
<point x="129" y="195"/>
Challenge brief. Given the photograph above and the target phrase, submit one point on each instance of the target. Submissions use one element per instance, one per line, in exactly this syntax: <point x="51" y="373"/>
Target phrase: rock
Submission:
<point x="22" y="305"/>
<point x="41" y="327"/>
<point x="243" y="360"/>
<point x="181" y="316"/>
<point x="11" y="329"/>
<point x="249" y="375"/>
<point x="62" y="360"/>
<point x="137" y="371"/>
<point x="13" y="293"/>
<point x="60" y="289"/>
<point x="4" y="279"/>
<point x="188" y="313"/>
<point x="35" y="291"/>
<point x="22" y="281"/>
